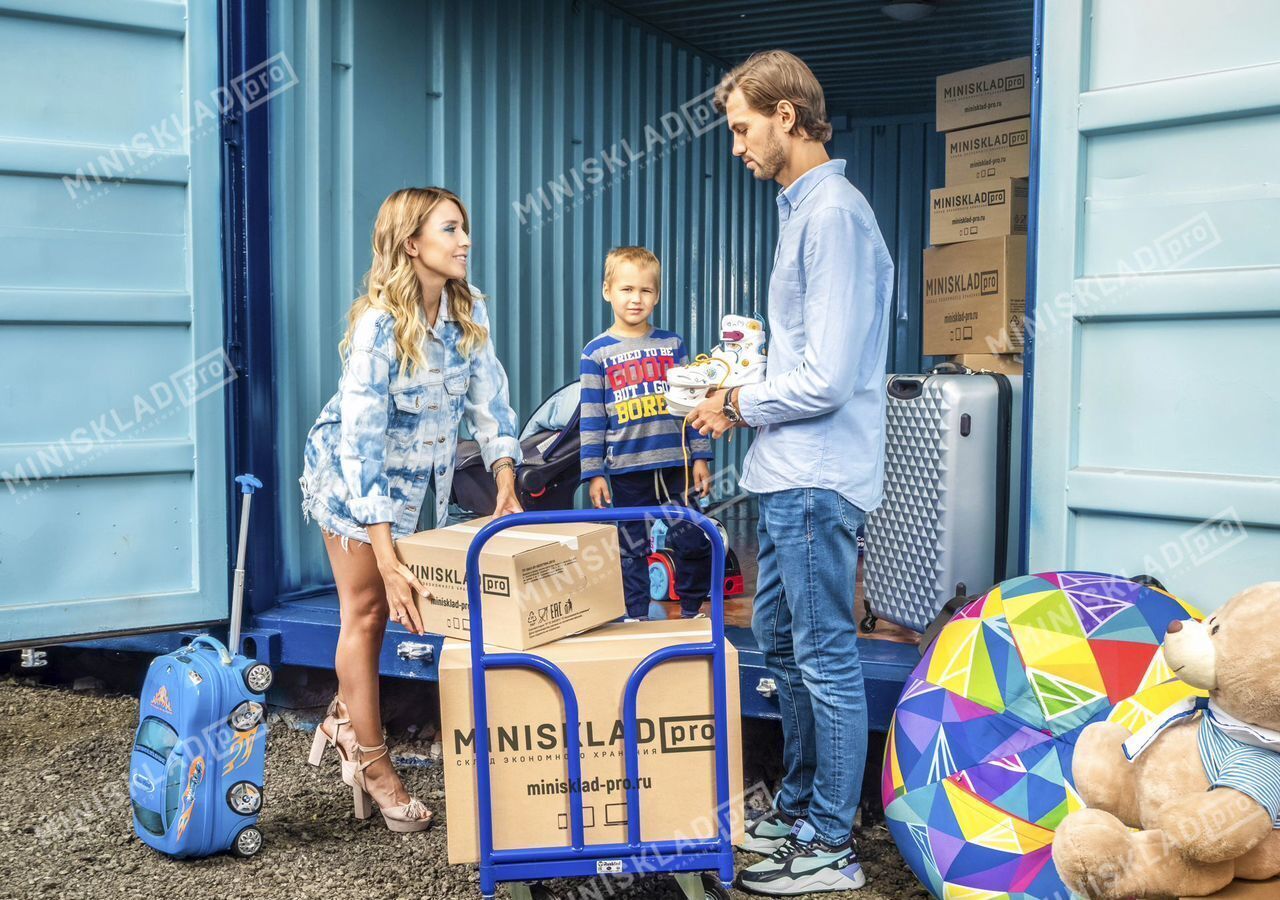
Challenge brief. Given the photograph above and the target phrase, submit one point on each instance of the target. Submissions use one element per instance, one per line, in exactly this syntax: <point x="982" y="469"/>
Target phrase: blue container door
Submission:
<point x="112" y="373"/>
<point x="1157" y="404"/>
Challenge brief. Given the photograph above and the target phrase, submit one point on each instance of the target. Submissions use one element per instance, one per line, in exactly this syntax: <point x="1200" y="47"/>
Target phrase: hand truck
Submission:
<point x="683" y="859"/>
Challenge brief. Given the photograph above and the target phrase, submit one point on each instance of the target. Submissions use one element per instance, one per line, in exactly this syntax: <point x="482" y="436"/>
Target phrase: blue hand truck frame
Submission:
<point x="579" y="858"/>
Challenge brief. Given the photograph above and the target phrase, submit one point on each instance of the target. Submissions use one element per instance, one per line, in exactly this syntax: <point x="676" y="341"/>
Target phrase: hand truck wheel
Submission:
<point x="540" y="891"/>
<point x="714" y="889"/>
<point x="706" y="886"/>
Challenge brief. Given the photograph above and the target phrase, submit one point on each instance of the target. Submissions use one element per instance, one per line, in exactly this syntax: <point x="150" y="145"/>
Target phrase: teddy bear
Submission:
<point x="1202" y="781"/>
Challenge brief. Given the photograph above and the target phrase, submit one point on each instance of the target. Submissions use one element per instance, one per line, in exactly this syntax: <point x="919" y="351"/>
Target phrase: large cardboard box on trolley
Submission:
<point x="993" y="207"/>
<point x="989" y="93"/>
<point x="537" y="585"/>
<point x="1002" y="150"/>
<point x="975" y="296"/>
<point x="528" y="764"/>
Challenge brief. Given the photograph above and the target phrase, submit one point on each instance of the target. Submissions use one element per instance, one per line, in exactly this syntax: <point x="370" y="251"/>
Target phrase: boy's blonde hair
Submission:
<point x="638" y="256"/>
<point x="771" y="76"/>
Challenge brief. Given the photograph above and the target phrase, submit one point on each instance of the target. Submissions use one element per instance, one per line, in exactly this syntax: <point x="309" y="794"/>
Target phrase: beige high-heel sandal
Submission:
<point x="402" y="817"/>
<point x="329" y="733"/>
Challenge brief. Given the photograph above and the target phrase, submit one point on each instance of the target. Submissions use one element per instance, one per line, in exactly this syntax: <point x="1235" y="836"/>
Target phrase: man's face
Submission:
<point x="757" y="138"/>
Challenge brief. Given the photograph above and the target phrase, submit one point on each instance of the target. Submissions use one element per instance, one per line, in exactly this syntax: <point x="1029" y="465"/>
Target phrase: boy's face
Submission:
<point x="633" y="293"/>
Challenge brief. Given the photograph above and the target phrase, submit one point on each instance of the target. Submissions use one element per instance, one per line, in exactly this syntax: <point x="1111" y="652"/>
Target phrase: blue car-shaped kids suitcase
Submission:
<point x="199" y="754"/>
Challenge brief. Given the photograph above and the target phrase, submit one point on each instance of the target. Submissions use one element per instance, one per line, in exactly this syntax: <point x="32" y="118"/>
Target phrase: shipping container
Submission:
<point x="187" y="191"/>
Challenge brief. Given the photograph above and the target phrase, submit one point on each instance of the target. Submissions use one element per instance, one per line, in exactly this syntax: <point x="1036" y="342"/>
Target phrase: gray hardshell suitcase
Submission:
<point x="943" y="528"/>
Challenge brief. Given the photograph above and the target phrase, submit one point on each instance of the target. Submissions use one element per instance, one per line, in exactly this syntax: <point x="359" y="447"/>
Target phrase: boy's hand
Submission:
<point x="600" y="496"/>
<point x="702" y="477"/>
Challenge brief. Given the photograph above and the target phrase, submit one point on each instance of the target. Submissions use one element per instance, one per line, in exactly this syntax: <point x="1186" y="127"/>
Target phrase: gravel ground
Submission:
<point x="66" y="830"/>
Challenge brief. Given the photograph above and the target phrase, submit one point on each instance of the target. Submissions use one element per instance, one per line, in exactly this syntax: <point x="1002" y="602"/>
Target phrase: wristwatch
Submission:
<point x="730" y="411"/>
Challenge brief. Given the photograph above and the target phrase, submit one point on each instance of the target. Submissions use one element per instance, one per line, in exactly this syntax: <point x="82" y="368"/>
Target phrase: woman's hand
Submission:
<point x="508" y="500"/>
<point x="401" y="584"/>
<point x="599" y="490"/>
<point x="702" y="477"/>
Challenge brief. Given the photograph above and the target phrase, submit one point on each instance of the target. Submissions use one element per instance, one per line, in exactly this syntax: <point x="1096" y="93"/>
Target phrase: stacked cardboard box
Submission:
<point x="975" y="272"/>
<point x="558" y="588"/>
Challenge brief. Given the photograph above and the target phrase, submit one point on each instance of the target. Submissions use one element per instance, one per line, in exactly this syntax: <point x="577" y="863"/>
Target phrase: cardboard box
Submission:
<point x="986" y="94"/>
<point x="1002" y="150"/>
<point x="993" y="207"/>
<point x="538" y="584"/>
<point x="1004" y="363"/>
<point x="1246" y="890"/>
<point x="975" y="294"/>
<point x="529" y="772"/>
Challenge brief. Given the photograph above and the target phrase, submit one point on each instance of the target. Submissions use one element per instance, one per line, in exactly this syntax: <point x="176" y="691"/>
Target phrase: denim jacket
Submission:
<point x="379" y="440"/>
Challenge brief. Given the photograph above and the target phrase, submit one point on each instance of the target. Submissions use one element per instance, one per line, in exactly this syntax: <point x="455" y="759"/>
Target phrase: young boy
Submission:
<point x="633" y="451"/>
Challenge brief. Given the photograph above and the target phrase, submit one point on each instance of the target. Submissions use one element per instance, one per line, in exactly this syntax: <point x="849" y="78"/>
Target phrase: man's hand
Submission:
<point x="702" y="477"/>
<point x="599" y="490"/>
<point x="708" y="417"/>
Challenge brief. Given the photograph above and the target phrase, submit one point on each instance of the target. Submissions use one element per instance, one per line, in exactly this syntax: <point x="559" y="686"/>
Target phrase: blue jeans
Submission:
<point x="804" y="623"/>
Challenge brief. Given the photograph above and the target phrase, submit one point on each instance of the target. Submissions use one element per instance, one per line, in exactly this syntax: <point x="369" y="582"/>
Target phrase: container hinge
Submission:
<point x="231" y="129"/>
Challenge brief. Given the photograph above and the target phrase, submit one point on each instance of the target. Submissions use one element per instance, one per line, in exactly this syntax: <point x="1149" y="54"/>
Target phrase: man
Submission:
<point x="817" y="464"/>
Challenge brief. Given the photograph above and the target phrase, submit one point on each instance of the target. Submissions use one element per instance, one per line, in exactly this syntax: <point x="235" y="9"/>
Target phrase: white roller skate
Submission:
<point x="738" y="359"/>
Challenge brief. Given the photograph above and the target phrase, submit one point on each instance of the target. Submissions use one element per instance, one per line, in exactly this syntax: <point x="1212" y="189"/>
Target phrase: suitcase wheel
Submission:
<point x="868" y="624"/>
<point x="258" y="677"/>
<point x="247" y="842"/>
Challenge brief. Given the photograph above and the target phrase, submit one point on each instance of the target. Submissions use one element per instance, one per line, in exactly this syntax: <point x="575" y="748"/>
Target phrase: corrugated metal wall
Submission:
<point x="567" y="128"/>
<point x="895" y="163"/>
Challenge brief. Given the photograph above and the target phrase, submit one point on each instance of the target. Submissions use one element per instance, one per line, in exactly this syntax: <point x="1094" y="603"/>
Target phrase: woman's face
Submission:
<point x="442" y="244"/>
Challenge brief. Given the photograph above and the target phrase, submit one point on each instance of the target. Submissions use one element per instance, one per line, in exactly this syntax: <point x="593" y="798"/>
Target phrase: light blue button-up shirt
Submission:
<point x="819" y="414"/>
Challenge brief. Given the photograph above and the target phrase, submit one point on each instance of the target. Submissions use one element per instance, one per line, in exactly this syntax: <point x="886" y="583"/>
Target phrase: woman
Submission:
<point x="417" y="357"/>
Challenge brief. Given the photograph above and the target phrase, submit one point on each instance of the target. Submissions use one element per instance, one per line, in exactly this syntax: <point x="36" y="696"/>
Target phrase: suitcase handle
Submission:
<point x="213" y="644"/>
<point x="905" y="388"/>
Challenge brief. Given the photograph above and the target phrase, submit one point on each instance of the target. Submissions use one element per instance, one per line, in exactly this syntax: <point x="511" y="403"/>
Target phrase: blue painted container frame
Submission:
<point x="1029" y="312"/>
<point x="578" y="859"/>
<point x="247" y="296"/>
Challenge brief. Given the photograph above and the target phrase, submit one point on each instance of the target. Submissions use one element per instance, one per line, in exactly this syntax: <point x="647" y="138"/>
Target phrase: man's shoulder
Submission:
<point x="837" y="198"/>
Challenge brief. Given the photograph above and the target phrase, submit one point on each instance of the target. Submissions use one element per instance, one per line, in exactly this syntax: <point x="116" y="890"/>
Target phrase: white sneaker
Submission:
<point x="737" y="360"/>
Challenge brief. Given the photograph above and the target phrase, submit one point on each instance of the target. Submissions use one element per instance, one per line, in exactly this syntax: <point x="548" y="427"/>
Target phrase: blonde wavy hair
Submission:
<point x="391" y="285"/>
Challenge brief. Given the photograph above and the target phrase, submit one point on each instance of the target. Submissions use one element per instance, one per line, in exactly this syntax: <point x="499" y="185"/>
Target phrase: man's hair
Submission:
<point x="640" y="256"/>
<point x="771" y="76"/>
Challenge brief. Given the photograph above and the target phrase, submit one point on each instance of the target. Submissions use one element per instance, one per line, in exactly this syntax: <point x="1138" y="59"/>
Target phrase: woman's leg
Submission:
<point x="362" y="605"/>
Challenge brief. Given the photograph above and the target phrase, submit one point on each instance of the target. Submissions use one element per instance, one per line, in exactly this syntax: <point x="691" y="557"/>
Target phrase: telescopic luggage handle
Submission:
<point x="248" y="484"/>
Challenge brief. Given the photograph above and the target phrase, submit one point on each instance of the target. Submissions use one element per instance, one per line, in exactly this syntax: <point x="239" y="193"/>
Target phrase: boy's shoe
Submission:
<point x="768" y="832"/>
<point x="692" y="610"/>
<point x="802" y="866"/>
<point x="737" y="360"/>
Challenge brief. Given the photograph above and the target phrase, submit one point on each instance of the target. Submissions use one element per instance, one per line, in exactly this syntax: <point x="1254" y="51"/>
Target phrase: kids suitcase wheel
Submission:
<point x="247" y="842"/>
<point x="868" y="624"/>
<point x="662" y="576"/>
<point x="258" y="677"/>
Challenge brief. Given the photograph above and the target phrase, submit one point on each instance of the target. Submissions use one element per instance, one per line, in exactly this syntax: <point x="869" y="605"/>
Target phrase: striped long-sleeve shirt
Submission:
<point x="625" y="424"/>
